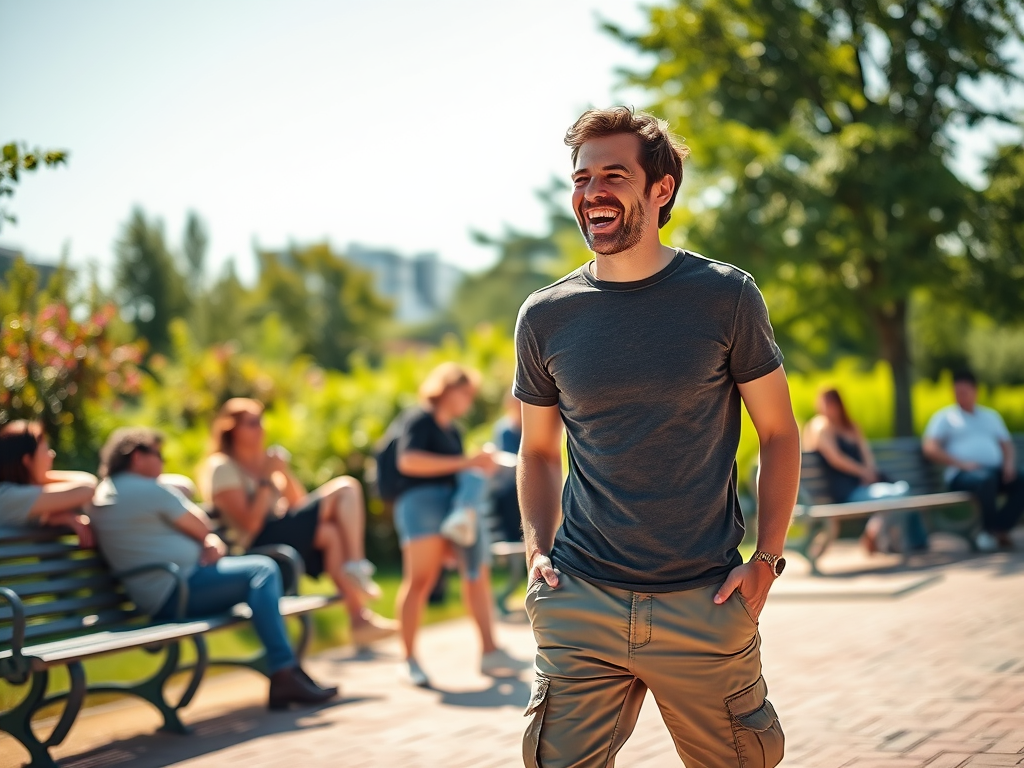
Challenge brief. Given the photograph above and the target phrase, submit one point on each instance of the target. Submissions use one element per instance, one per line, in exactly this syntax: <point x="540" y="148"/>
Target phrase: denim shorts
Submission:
<point x="420" y="511"/>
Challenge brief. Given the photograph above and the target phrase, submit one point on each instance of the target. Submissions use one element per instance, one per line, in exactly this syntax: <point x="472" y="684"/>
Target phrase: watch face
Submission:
<point x="780" y="566"/>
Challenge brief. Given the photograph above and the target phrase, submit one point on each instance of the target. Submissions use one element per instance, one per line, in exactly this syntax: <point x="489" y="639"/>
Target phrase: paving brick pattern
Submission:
<point x="928" y="677"/>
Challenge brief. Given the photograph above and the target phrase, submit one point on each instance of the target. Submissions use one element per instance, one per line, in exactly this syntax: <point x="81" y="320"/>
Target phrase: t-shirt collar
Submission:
<point x="607" y="285"/>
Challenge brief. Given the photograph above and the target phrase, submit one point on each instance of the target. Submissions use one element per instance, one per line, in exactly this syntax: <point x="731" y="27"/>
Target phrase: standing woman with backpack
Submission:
<point x="439" y="502"/>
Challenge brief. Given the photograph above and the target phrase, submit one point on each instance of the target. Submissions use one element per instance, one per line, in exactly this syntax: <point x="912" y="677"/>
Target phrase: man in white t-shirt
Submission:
<point x="974" y="444"/>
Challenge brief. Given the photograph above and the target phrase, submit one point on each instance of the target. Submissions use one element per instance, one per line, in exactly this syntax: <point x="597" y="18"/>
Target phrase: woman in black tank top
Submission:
<point x="851" y="475"/>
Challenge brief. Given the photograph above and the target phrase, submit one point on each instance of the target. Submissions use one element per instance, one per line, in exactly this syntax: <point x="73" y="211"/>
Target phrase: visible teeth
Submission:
<point x="602" y="213"/>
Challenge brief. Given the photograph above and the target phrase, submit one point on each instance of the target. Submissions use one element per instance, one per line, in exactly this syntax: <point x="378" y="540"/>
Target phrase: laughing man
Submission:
<point x="643" y="354"/>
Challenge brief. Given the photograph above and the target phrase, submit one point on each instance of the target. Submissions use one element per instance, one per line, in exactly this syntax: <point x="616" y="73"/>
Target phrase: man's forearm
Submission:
<point x="778" y="479"/>
<point x="539" y="486"/>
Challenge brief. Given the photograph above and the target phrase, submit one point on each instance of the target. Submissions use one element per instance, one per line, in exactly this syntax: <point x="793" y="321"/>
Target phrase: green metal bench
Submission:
<point x="60" y="605"/>
<point x="900" y="459"/>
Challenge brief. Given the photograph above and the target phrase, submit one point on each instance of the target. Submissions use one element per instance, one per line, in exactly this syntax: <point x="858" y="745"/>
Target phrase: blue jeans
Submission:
<point x="420" y="511"/>
<point x="986" y="485"/>
<point x="915" y="535"/>
<point x="252" y="579"/>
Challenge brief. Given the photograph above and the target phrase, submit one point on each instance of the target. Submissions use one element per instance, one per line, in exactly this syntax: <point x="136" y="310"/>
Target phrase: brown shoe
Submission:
<point x="293" y="686"/>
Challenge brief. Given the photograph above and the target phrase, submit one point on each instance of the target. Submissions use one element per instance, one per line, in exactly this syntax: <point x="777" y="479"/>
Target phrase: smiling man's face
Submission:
<point x="608" y="196"/>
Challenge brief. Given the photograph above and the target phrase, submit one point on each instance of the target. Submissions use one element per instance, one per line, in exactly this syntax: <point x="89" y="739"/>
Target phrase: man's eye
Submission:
<point x="579" y="180"/>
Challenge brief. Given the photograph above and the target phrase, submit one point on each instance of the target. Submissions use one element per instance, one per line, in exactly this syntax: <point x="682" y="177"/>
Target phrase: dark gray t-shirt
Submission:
<point x="644" y="374"/>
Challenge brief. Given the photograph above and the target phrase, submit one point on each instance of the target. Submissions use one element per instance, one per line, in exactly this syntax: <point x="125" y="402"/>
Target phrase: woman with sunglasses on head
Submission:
<point x="32" y="491"/>
<point x="258" y="497"/>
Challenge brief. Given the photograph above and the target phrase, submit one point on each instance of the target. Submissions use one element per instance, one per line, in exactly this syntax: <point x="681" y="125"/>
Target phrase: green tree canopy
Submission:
<point x="150" y="286"/>
<point x="821" y="135"/>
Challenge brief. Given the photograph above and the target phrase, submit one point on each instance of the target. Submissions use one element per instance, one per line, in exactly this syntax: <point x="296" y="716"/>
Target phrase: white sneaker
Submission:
<point x="459" y="527"/>
<point x="498" y="663"/>
<point x="362" y="571"/>
<point x="986" y="542"/>
<point x="411" y="673"/>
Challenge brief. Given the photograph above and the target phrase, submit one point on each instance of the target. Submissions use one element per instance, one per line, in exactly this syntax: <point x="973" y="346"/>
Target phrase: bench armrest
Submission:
<point x="171" y="568"/>
<point x="16" y="670"/>
<point x="290" y="562"/>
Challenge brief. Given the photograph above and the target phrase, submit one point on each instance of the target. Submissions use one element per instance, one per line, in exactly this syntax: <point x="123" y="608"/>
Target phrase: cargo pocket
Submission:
<point x="536" y="708"/>
<point x="759" y="739"/>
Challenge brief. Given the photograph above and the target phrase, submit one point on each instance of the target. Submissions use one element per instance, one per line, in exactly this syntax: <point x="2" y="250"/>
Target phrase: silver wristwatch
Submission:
<point x="777" y="562"/>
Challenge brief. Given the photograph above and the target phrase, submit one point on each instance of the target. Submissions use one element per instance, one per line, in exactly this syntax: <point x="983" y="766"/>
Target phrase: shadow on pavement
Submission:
<point x="504" y="692"/>
<point x="155" y="750"/>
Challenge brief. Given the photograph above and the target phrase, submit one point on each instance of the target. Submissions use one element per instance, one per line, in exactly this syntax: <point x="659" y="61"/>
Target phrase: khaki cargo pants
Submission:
<point x="600" y="649"/>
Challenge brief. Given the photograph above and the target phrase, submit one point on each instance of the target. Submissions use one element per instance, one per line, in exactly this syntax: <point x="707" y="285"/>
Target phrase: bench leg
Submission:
<point x="820" y="535"/>
<point x="18" y="720"/>
<point x="516" y="576"/>
<point x="152" y="688"/>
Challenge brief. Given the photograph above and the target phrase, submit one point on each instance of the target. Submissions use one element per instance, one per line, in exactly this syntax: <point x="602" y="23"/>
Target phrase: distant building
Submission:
<point x="9" y="256"/>
<point x="420" y="287"/>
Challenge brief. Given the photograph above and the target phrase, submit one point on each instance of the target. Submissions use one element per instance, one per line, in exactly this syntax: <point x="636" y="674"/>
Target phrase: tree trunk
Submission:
<point x="891" y="322"/>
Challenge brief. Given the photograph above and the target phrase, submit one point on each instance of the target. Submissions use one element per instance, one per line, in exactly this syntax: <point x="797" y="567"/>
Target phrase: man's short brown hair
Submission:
<point x="661" y="153"/>
<point x="116" y="454"/>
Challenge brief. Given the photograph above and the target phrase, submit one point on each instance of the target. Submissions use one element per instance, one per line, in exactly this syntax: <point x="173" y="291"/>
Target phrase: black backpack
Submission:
<point x="390" y="482"/>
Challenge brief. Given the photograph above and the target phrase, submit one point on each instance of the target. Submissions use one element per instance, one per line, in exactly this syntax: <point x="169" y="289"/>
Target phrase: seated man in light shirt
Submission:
<point x="974" y="444"/>
<point x="141" y="521"/>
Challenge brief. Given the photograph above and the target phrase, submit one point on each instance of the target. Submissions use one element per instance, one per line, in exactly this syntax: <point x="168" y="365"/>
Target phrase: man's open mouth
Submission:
<point x="600" y="219"/>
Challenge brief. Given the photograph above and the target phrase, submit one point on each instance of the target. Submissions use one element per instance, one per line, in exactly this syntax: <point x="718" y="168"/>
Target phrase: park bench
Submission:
<point x="900" y="459"/>
<point x="60" y="605"/>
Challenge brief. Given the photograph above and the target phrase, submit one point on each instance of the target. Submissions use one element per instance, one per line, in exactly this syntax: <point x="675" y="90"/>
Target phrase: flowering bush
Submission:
<point x="52" y="365"/>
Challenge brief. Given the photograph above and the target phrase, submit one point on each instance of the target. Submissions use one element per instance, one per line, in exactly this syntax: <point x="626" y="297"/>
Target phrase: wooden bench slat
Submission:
<point x="19" y="550"/>
<point x="51" y="567"/>
<point x="44" y="655"/>
<point x="88" y="622"/>
<point x="66" y="605"/>
<point x="863" y="508"/>
<point x="95" y="582"/>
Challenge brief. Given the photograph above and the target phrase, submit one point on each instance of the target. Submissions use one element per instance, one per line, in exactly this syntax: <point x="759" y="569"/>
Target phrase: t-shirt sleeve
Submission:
<point x="418" y="435"/>
<point x="224" y="476"/>
<point x="170" y="503"/>
<point x="754" y="352"/>
<point x="16" y="502"/>
<point x="938" y="427"/>
<point x="533" y="382"/>
<point x="999" y="426"/>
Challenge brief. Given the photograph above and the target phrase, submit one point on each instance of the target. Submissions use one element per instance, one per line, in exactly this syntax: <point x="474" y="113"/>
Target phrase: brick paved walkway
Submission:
<point x="893" y="669"/>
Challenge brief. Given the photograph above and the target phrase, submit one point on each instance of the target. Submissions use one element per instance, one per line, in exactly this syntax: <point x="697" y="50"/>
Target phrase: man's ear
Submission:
<point x="662" y="190"/>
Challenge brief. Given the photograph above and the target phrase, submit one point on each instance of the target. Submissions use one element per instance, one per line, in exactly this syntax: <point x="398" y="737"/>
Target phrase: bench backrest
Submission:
<point x="66" y="590"/>
<point x="899" y="458"/>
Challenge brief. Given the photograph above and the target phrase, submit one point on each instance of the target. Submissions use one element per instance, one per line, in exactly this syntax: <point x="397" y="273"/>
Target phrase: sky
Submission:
<point x="395" y="123"/>
<point x="401" y="124"/>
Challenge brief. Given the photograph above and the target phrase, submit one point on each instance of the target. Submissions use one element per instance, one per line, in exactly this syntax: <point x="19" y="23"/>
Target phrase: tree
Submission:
<point x="329" y="303"/>
<point x="13" y="160"/>
<point x="149" y="285"/>
<point x="822" y="139"/>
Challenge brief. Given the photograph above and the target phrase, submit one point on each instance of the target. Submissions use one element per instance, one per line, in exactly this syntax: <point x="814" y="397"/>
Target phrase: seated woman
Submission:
<point x="437" y="480"/>
<point x="261" y="501"/>
<point x="140" y="521"/>
<point x="851" y="474"/>
<point x="31" y="490"/>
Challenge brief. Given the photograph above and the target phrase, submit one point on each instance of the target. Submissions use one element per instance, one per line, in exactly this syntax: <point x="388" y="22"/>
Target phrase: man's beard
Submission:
<point x="627" y="235"/>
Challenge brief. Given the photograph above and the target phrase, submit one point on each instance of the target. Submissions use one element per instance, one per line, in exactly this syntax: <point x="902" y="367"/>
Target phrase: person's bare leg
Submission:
<point x="421" y="565"/>
<point x="476" y="594"/>
<point x="328" y="541"/>
<point x="343" y="503"/>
